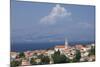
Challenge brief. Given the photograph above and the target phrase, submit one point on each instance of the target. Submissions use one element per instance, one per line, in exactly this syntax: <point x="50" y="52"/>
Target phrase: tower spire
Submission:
<point x="66" y="43"/>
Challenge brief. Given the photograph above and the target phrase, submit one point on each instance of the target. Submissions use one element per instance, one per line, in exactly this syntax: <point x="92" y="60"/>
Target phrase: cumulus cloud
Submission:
<point x="56" y="13"/>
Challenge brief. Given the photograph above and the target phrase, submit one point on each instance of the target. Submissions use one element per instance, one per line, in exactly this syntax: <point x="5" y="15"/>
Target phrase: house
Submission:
<point x="37" y="60"/>
<point x="50" y="52"/>
<point x="28" y="54"/>
<point x="70" y="52"/>
<point x="91" y="58"/>
<point x="60" y="47"/>
<point x="13" y="55"/>
<point x="25" y="62"/>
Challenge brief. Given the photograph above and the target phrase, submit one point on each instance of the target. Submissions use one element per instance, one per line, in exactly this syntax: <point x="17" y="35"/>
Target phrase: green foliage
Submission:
<point x="92" y="51"/>
<point x="32" y="61"/>
<point x="15" y="63"/>
<point x="57" y="52"/>
<point x="45" y="60"/>
<point x="77" y="57"/>
<point x="57" y="58"/>
<point x="21" y="55"/>
<point x="40" y="56"/>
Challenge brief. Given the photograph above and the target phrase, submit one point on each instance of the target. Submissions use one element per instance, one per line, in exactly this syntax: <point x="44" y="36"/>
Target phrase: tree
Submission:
<point x="92" y="51"/>
<point x="45" y="60"/>
<point x="57" y="58"/>
<point x="32" y="61"/>
<point x="57" y="52"/>
<point x="77" y="57"/>
<point x="15" y="63"/>
<point x="40" y="56"/>
<point x="21" y="55"/>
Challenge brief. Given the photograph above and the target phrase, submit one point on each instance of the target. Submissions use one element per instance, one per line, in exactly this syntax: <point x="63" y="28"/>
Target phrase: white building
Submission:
<point x="25" y="62"/>
<point x="50" y="52"/>
<point x="37" y="60"/>
<point x="13" y="55"/>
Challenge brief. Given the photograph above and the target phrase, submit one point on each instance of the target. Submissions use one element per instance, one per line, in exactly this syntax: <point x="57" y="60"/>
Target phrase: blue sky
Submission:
<point x="46" y="22"/>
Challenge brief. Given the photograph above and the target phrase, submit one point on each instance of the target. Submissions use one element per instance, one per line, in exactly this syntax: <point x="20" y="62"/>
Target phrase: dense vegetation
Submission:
<point x="59" y="58"/>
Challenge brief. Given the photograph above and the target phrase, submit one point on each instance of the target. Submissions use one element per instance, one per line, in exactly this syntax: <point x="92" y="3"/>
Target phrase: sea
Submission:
<point x="22" y="47"/>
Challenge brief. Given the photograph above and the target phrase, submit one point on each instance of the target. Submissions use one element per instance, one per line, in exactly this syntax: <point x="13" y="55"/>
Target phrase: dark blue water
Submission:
<point x="33" y="46"/>
<point x="20" y="47"/>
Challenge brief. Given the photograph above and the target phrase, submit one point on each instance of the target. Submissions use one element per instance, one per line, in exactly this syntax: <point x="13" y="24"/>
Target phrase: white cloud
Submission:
<point x="56" y="13"/>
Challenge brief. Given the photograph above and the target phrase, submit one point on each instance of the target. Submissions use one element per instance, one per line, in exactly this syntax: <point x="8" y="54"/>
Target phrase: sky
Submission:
<point x="47" y="22"/>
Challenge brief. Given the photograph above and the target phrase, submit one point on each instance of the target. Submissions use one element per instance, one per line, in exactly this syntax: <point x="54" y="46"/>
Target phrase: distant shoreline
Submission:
<point x="22" y="47"/>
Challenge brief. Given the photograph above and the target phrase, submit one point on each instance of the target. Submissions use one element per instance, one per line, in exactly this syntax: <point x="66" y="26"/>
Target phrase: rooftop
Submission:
<point x="60" y="46"/>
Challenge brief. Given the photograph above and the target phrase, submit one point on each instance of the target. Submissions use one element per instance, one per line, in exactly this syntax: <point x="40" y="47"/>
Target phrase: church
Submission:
<point x="62" y="47"/>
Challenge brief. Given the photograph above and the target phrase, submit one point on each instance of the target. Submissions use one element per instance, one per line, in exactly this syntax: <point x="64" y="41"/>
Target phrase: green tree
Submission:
<point x="45" y="60"/>
<point x="40" y="56"/>
<point x="77" y="57"/>
<point x="15" y="63"/>
<point x="21" y="55"/>
<point x="92" y="51"/>
<point x="58" y="58"/>
<point x="57" y="52"/>
<point x="32" y="61"/>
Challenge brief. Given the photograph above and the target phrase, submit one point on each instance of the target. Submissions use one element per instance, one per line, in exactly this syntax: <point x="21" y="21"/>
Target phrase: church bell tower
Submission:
<point x="66" y="43"/>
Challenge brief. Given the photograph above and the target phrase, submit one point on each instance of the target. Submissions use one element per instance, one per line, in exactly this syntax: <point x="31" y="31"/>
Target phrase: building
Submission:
<point x="50" y="52"/>
<point x="66" y="43"/>
<point x="91" y="58"/>
<point x="13" y="55"/>
<point x="25" y="62"/>
<point x="37" y="60"/>
<point x="70" y="52"/>
<point x="28" y="54"/>
<point x="61" y="47"/>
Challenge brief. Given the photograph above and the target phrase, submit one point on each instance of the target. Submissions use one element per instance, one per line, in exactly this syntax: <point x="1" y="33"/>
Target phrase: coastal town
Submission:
<point x="59" y="54"/>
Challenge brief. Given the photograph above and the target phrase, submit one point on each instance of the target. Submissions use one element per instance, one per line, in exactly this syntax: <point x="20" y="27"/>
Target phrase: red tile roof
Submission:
<point x="60" y="46"/>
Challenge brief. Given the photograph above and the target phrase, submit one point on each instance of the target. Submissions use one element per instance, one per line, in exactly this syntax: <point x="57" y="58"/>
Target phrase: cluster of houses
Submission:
<point x="68" y="51"/>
